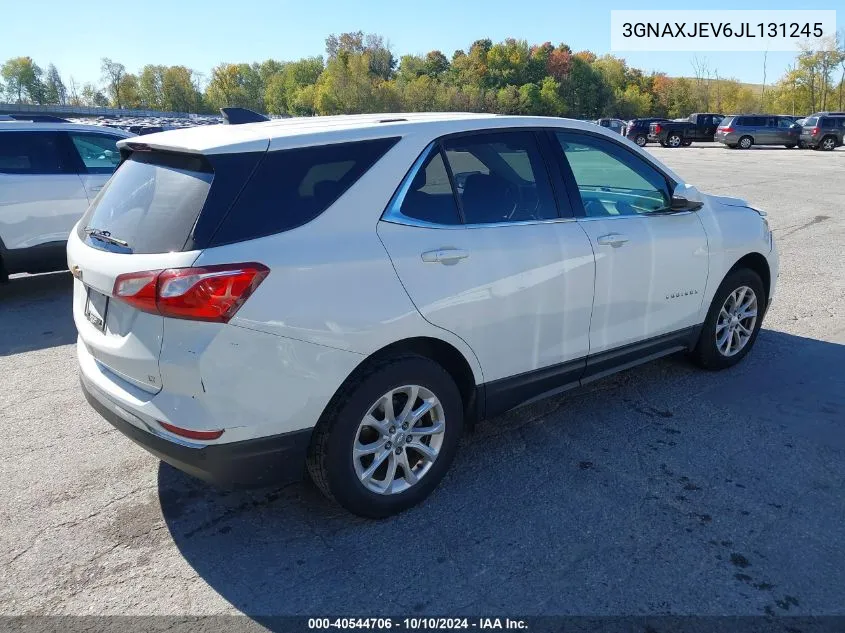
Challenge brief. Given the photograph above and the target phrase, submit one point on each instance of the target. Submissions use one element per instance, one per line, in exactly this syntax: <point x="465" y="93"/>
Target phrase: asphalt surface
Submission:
<point x="664" y="489"/>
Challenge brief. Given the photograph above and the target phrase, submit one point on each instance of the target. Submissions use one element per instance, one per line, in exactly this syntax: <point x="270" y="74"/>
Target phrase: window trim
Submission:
<point x="572" y="185"/>
<point x="394" y="215"/>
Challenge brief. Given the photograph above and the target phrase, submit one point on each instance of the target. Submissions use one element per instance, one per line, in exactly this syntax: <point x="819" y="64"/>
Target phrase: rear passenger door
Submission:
<point x="478" y="241"/>
<point x="98" y="158"/>
<point x="41" y="195"/>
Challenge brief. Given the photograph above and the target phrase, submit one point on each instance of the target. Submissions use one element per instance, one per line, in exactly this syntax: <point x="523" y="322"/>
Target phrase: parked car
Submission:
<point x="49" y="174"/>
<point x="251" y="299"/>
<point x="823" y="132"/>
<point x="746" y="130"/>
<point x="638" y="130"/>
<point x="617" y="125"/>
<point x="699" y="127"/>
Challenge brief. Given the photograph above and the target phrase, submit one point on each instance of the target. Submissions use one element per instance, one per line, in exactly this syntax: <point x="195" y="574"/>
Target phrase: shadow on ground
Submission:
<point x="36" y="313"/>
<point x="665" y="489"/>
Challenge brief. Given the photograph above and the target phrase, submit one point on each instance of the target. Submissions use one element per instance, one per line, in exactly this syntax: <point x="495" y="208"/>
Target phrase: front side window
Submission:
<point x="98" y="152"/>
<point x="785" y="123"/>
<point x="500" y="177"/>
<point x="612" y="181"/>
<point x="32" y="153"/>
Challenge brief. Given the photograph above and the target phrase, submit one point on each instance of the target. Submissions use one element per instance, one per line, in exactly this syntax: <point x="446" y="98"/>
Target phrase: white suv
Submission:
<point x="49" y="173"/>
<point x="352" y="292"/>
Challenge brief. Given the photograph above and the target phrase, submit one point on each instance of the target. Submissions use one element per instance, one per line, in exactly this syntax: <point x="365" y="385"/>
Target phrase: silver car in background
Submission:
<point x="746" y="130"/>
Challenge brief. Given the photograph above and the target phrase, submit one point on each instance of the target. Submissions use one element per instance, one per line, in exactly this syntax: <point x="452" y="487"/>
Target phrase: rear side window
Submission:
<point x="32" y="153"/>
<point x="728" y="121"/>
<point x="292" y="187"/>
<point x="429" y="197"/>
<point x="150" y="204"/>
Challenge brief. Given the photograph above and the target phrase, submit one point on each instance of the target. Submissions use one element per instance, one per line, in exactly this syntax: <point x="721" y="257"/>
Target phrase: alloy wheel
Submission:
<point x="674" y="141"/>
<point x="641" y="141"/>
<point x="745" y="143"/>
<point x="736" y="321"/>
<point x="828" y="144"/>
<point x="399" y="439"/>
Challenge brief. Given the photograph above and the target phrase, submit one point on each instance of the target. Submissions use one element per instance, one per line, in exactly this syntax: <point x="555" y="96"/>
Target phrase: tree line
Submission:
<point x="360" y="73"/>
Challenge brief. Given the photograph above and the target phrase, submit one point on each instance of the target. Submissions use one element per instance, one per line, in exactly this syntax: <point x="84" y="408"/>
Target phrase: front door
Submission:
<point x="483" y="251"/>
<point x="99" y="157"/>
<point x="651" y="264"/>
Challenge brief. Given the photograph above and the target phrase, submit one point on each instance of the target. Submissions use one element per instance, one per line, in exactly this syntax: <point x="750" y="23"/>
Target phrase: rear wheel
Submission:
<point x="389" y="437"/>
<point x="674" y="140"/>
<point x="641" y="140"/>
<point x="746" y="142"/>
<point x="828" y="144"/>
<point x="733" y="321"/>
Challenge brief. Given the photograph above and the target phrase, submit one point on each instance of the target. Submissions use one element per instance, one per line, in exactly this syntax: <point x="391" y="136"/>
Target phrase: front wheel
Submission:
<point x="388" y="438"/>
<point x="733" y="321"/>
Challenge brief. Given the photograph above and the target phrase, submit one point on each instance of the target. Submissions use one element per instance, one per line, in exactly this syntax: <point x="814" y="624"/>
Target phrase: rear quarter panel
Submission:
<point x="331" y="281"/>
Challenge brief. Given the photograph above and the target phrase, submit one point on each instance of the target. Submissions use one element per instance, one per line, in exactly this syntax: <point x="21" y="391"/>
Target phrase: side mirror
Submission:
<point x="679" y="203"/>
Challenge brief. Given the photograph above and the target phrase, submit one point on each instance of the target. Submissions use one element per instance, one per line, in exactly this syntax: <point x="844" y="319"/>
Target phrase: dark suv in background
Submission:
<point x="823" y="132"/>
<point x="637" y="130"/>
<point x="746" y="130"/>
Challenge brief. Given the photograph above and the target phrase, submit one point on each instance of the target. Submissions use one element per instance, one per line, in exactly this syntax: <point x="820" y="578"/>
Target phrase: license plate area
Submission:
<point x="96" y="309"/>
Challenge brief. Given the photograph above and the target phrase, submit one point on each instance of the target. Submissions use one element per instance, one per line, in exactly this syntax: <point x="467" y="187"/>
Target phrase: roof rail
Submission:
<point x="237" y="116"/>
<point x="39" y="118"/>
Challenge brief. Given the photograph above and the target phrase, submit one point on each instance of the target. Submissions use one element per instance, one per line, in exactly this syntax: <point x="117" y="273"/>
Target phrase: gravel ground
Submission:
<point x="664" y="489"/>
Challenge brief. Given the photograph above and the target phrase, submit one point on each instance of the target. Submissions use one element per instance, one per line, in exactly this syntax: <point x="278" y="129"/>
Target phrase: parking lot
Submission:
<point x="664" y="489"/>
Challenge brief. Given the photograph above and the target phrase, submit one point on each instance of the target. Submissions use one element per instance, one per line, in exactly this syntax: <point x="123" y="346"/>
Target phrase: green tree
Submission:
<point x="150" y="86"/>
<point x="23" y="79"/>
<point x="227" y="87"/>
<point x="113" y="74"/>
<point x="54" y="87"/>
<point x="345" y="86"/>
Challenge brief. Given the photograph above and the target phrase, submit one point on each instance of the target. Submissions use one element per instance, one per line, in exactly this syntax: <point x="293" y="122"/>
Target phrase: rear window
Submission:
<point x="729" y="120"/>
<point x="811" y="122"/>
<point x="292" y="187"/>
<point x="150" y="205"/>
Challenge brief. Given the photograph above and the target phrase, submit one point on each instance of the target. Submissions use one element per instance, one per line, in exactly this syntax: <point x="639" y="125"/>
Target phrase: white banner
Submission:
<point x="718" y="30"/>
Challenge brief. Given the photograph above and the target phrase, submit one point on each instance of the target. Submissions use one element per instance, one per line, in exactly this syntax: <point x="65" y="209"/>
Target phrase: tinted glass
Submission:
<point x="811" y="122"/>
<point x="785" y="123"/>
<point x="500" y="177"/>
<point x="611" y="180"/>
<point x="728" y="121"/>
<point x="151" y="203"/>
<point x="98" y="152"/>
<point x="430" y="197"/>
<point x="825" y="122"/>
<point x="292" y="187"/>
<point x="32" y="153"/>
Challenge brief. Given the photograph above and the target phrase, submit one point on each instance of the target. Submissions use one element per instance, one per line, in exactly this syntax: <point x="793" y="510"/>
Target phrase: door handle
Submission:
<point x="612" y="239"/>
<point x="445" y="255"/>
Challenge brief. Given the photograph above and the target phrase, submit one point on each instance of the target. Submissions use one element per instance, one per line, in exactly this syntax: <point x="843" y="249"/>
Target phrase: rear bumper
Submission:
<point x="256" y="462"/>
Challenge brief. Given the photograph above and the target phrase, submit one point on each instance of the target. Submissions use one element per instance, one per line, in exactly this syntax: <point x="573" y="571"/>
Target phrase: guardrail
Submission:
<point x="29" y="108"/>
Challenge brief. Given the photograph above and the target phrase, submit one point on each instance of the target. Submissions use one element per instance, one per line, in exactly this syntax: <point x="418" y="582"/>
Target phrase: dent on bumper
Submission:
<point x="261" y="461"/>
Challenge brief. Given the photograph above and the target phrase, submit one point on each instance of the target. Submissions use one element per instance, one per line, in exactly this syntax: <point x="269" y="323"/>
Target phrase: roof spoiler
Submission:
<point x="39" y="118"/>
<point x="237" y="116"/>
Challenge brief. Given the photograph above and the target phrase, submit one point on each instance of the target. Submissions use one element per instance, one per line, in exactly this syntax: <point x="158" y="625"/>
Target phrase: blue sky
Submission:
<point x="75" y="35"/>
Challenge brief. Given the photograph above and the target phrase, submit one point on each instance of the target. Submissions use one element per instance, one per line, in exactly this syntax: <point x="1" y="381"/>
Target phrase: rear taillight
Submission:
<point x="209" y="293"/>
<point x="814" y="131"/>
<point x="726" y="129"/>
<point x="657" y="129"/>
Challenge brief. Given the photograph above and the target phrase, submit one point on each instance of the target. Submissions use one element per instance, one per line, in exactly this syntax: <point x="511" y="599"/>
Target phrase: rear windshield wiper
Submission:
<point x="105" y="236"/>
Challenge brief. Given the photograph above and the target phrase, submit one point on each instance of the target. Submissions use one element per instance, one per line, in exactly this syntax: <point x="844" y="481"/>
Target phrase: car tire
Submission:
<point x="710" y="352"/>
<point x="746" y="142"/>
<point x="340" y="474"/>
<point x="674" y="140"/>
<point x="790" y="146"/>
<point x="641" y="140"/>
<point x="828" y="144"/>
